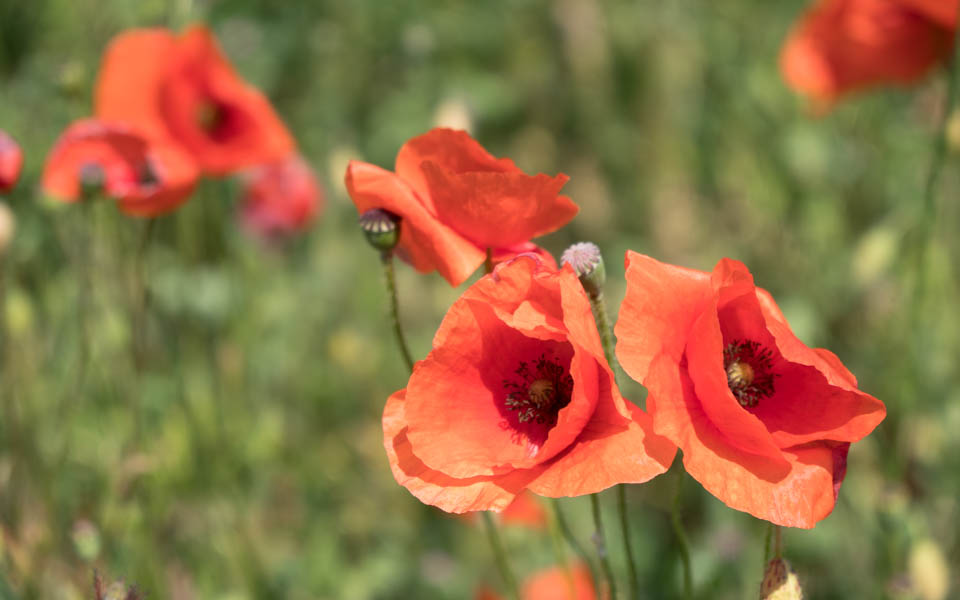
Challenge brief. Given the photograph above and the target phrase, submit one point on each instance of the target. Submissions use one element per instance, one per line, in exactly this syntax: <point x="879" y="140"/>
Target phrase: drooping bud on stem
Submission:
<point x="780" y="582"/>
<point x="587" y="263"/>
<point x="92" y="179"/>
<point x="381" y="228"/>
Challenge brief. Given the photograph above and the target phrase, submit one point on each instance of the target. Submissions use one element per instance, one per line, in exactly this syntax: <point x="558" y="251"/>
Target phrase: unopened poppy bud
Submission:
<point x="8" y="225"/>
<point x="381" y="228"/>
<point x="92" y="179"/>
<point x="780" y="582"/>
<point x="587" y="263"/>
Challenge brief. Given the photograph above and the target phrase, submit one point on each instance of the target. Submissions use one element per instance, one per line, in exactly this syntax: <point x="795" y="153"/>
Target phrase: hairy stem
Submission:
<point x="599" y="539"/>
<point x="683" y="547"/>
<point x="572" y="540"/>
<point x="386" y="258"/>
<point x="500" y="556"/>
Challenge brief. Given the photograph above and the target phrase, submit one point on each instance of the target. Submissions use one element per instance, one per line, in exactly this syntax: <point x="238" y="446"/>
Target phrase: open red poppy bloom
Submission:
<point x="280" y="198"/>
<point x="146" y="178"/>
<point x="841" y="46"/>
<point x="516" y="394"/>
<point x="555" y="583"/>
<point x="11" y="161"/>
<point x="456" y="200"/>
<point x="182" y="88"/>
<point x="764" y="422"/>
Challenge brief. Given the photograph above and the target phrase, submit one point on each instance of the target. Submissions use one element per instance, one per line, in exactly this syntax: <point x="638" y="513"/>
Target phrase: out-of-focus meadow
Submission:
<point x="243" y="457"/>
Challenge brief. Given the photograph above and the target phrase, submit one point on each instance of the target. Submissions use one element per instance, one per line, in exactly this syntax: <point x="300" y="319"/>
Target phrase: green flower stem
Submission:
<point x="606" y="338"/>
<point x="488" y="263"/>
<point x="386" y="258"/>
<point x="599" y="539"/>
<point x="141" y="300"/>
<point x="500" y="556"/>
<point x="766" y="544"/>
<point x="572" y="540"/>
<point x="682" y="545"/>
<point x="777" y="541"/>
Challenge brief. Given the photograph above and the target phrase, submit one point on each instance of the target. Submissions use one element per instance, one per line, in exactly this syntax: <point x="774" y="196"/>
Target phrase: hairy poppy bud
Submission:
<point x="587" y="263"/>
<point x="780" y="582"/>
<point x="381" y="228"/>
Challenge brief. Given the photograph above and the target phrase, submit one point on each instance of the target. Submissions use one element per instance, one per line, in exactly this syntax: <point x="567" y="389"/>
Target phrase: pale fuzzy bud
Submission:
<point x="587" y="263"/>
<point x="8" y="226"/>
<point x="780" y="582"/>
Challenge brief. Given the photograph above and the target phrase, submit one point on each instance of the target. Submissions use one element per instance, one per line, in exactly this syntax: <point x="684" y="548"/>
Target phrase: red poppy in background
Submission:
<point x="516" y="394"/>
<point x="840" y="46"/>
<point x="146" y="178"/>
<point x="764" y="422"/>
<point x="183" y="89"/>
<point x="555" y="583"/>
<point x="456" y="200"/>
<point x="11" y="162"/>
<point x="280" y="198"/>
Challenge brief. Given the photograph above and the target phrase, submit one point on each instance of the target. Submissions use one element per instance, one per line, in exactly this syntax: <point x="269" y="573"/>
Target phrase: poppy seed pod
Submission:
<point x="587" y="263"/>
<point x="780" y="582"/>
<point x="381" y="228"/>
<point x="92" y="179"/>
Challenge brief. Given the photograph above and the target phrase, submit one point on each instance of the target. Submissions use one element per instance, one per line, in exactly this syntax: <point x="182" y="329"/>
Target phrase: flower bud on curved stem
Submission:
<point x="381" y="228"/>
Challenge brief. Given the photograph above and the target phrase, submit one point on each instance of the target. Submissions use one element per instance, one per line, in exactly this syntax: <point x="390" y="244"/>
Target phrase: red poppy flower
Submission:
<point x="555" y="583"/>
<point x="146" y="178"/>
<point x="11" y="161"/>
<point x="841" y="46"/>
<point x="516" y="394"/>
<point x="525" y="510"/>
<point x="280" y="198"/>
<point x="456" y="200"/>
<point x="764" y="422"/>
<point x="184" y="89"/>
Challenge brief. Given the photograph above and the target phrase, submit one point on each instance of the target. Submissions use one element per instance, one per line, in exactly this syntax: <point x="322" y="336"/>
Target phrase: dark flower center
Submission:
<point x="539" y="390"/>
<point x="749" y="371"/>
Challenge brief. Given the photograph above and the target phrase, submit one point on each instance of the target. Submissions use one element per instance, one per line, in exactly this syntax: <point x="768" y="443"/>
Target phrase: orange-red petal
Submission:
<point x="559" y="583"/>
<point x="11" y="162"/>
<point x="432" y="487"/>
<point x="661" y="305"/>
<point x="124" y="157"/>
<point x="164" y="86"/>
<point x="425" y="242"/>
<point x="449" y="149"/>
<point x="797" y="494"/>
<point x="494" y="209"/>
<point x="840" y="46"/>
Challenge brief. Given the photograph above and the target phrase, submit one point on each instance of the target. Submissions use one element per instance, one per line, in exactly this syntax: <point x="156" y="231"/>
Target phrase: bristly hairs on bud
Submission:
<point x="381" y="228"/>
<point x="780" y="582"/>
<point x="587" y="263"/>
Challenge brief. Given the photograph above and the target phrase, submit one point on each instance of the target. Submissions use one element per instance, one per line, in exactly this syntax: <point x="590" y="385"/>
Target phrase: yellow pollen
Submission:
<point x="739" y="374"/>
<point x="541" y="392"/>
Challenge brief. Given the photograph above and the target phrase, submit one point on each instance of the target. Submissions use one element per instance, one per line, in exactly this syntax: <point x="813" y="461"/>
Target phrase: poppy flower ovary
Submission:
<point x="748" y="366"/>
<point x="541" y="392"/>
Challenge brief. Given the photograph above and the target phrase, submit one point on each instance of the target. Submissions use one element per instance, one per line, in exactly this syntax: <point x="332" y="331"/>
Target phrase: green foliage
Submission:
<point x="238" y="452"/>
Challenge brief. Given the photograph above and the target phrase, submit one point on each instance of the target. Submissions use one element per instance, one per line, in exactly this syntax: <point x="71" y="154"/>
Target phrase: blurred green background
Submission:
<point x="244" y="459"/>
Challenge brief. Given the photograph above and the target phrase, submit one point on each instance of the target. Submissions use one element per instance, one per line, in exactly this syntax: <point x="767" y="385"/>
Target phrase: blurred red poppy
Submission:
<point x="11" y="161"/>
<point x="280" y="198"/>
<point x="183" y="89"/>
<point x="146" y="178"/>
<point x="841" y="46"/>
<point x="456" y="200"/>
<point x="555" y="583"/>
<point x="764" y="422"/>
<point x="525" y="510"/>
<point x="536" y="406"/>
